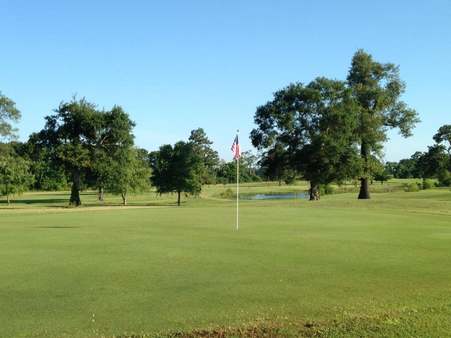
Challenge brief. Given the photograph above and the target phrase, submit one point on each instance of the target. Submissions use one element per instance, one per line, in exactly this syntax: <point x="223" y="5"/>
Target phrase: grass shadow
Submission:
<point x="57" y="227"/>
<point x="37" y="201"/>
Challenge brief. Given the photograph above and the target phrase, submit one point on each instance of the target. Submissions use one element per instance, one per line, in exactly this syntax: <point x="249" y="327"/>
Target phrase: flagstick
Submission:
<point x="237" y="193"/>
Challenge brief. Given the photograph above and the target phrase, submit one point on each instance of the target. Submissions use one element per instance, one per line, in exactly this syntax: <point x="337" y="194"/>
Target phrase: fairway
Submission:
<point x="333" y="267"/>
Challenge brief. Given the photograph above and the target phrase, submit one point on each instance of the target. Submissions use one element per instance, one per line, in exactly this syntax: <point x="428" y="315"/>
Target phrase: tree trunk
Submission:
<point x="364" y="188"/>
<point x="178" y="198"/>
<point x="101" y="194"/>
<point x="75" y="191"/>
<point x="314" y="192"/>
<point x="124" y="198"/>
<point x="7" y="194"/>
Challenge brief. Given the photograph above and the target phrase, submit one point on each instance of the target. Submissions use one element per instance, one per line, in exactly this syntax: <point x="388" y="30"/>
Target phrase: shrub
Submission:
<point x="428" y="184"/>
<point x="228" y="194"/>
<point x="411" y="187"/>
<point x="326" y="189"/>
<point x="444" y="179"/>
<point x="329" y="190"/>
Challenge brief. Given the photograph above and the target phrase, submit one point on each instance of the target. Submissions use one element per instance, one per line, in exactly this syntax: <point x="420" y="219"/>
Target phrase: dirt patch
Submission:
<point x="427" y="322"/>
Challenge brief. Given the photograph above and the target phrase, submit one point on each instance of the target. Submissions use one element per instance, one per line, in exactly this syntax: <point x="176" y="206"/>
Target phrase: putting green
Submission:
<point x="113" y="271"/>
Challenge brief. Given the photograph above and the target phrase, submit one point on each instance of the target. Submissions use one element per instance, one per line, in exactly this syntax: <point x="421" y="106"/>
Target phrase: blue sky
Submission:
<point x="179" y="65"/>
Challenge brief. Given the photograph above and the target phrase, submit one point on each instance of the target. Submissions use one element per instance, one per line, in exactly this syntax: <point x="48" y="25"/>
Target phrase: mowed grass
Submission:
<point x="337" y="267"/>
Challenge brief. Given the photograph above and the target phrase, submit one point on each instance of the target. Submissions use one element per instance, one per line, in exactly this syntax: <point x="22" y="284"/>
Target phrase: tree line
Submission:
<point x="324" y="131"/>
<point x="332" y="130"/>
<point x="82" y="147"/>
<point x="433" y="163"/>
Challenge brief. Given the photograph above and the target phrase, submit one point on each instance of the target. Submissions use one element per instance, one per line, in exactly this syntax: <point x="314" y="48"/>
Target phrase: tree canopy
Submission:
<point x="312" y="126"/>
<point x="8" y="114"/>
<point x="226" y="172"/>
<point x="202" y="146"/>
<point x="79" y="137"/>
<point x="443" y="135"/>
<point x="176" y="169"/>
<point x="275" y="164"/>
<point x="128" y="173"/>
<point x="15" y="176"/>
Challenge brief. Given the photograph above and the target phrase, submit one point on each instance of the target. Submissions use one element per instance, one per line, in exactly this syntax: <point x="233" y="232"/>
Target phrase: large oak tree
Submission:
<point x="78" y="135"/>
<point x="313" y="125"/>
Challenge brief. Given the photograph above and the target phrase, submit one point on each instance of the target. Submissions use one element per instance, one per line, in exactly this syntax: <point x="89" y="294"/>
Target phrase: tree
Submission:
<point x="8" y="115"/>
<point x="210" y="158"/>
<point x="382" y="176"/>
<point x="102" y="170"/>
<point x="433" y="162"/>
<point x="413" y="164"/>
<point x="14" y="170"/>
<point x="47" y="175"/>
<point x="275" y="164"/>
<point x="380" y="172"/>
<point x="314" y="126"/>
<point x="443" y="135"/>
<point x="129" y="173"/>
<point x="113" y="137"/>
<point x="249" y="163"/>
<point x="15" y="175"/>
<point x="80" y="140"/>
<point x="376" y="88"/>
<point x="436" y="162"/>
<point x="71" y="135"/>
<point x="226" y="171"/>
<point x="376" y="168"/>
<point x="176" y="169"/>
<point x="392" y="168"/>
<point x="406" y="168"/>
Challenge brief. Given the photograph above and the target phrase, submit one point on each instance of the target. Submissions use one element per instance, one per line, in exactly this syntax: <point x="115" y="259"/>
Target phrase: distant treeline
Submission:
<point x="82" y="148"/>
<point x="325" y="131"/>
<point x="433" y="163"/>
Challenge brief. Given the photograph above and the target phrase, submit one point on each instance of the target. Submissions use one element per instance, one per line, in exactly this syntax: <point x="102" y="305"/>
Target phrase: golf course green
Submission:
<point x="335" y="267"/>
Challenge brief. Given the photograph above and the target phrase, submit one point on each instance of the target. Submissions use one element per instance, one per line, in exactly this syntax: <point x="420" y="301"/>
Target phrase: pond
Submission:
<point x="275" y="196"/>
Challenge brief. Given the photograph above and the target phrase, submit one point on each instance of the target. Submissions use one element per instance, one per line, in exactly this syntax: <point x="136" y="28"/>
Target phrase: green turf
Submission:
<point x="354" y="268"/>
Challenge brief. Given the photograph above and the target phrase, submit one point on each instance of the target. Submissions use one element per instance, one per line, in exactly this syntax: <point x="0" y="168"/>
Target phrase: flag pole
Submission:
<point x="237" y="190"/>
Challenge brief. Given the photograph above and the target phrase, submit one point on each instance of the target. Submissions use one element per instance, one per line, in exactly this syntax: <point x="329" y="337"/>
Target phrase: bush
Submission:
<point x="444" y="179"/>
<point x="428" y="184"/>
<point x="326" y="189"/>
<point x="412" y="187"/>
<point x="228" y="194"/>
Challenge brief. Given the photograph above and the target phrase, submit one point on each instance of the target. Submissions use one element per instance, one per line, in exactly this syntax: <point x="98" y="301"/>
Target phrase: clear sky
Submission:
<point x="179" y="65"/>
